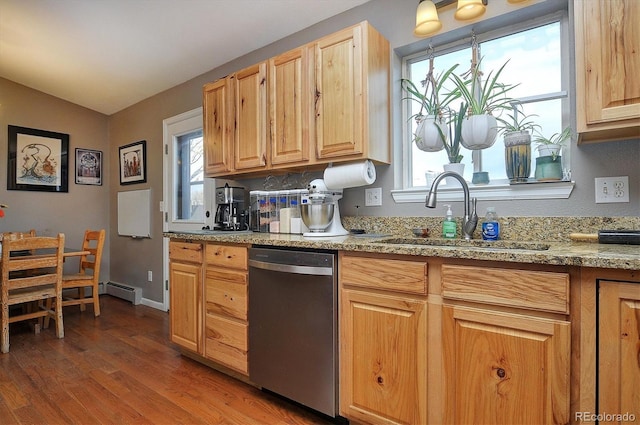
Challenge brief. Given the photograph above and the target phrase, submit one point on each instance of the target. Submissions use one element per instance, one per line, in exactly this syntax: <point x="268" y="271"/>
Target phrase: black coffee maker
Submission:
<point x="231" y="212"/>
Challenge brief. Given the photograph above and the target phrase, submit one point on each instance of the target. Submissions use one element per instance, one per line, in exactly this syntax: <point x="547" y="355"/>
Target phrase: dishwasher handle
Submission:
<point x="290" y="268"/>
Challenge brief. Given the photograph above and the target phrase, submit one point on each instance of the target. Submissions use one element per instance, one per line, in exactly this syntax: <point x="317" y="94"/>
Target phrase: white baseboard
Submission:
<point x="153" y="304"/>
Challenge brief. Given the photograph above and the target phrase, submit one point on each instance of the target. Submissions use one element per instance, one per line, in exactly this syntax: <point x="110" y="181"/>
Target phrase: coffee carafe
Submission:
<point x="231" y="212"/>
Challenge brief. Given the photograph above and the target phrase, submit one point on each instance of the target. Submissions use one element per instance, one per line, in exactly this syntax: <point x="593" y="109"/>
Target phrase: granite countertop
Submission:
<point x="564" y="253"/>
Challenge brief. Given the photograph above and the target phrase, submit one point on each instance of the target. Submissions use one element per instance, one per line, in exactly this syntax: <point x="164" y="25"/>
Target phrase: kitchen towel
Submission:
<point x="350" y="175"/>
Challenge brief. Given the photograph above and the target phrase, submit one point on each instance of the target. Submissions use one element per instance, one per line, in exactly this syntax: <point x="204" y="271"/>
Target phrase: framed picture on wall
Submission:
<point x="133" y="163"/>
<point x="88" y="167"/>
<point x="37" y="160"/>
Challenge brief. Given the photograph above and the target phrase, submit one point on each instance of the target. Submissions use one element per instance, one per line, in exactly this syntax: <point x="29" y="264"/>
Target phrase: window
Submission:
<point x="537" y="64"/>
<point x="189" y="189"/>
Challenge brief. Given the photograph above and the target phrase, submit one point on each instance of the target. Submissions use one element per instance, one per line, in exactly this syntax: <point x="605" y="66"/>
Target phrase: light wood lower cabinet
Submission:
<point x="619" y="350"/>
<point x="383" y="343"/>
<point x="225" y="306"/>
<point x="185" y="294"/>
<point x="505" y="368"/>
<point x="453" y="343"/>
<point x="506" y="345"/>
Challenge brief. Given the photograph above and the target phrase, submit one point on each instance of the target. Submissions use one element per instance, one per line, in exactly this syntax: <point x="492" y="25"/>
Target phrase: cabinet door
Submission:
<point x="185" y="306"/>
<point x="218" y="126"/>
<point x="619" y="342"/>
<point x="383" y="358"/>
<point x="251" y="118"/>
<point x="339" y="105"/>
<point x="608" y="87"/>
<point x="290" y="107"/>
<point x="504" y="368"/>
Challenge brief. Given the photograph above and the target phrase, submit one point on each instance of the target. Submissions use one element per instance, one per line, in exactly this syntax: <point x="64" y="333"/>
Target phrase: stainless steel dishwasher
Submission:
<point x="293" y="315"/>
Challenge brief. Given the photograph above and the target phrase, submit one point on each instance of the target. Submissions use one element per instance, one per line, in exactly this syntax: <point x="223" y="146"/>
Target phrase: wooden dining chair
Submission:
<point x="88" y="274"/>
<point x="31" y="271"/>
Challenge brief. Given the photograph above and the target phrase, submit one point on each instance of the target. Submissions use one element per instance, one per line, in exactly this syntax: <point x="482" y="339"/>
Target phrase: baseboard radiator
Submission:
<point x="125" y="292"/>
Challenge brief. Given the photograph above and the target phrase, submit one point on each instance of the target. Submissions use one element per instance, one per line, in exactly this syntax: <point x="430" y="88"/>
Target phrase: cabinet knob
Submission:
<point x="501" y="373"/>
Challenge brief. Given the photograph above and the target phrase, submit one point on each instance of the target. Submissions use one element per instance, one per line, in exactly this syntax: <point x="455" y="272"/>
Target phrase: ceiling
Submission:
<point x="107" y="55"/>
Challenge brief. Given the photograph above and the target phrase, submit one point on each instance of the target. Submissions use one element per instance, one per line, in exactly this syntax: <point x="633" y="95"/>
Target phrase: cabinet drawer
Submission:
<point x="401" y="275"/>
<point x="234" y="257"/>
<point x="226" y="293"/>
<point x="226" y="342"/>
<point x="536" y="290"/>
<point x="185" y="251"/>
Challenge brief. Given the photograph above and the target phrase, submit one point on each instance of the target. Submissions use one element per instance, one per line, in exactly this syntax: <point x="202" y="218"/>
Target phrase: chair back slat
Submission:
<point x="31" y="270"/>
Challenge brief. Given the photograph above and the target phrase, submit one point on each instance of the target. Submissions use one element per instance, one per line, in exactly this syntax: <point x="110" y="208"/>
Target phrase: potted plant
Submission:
<point x="549" y="161"/>
<point x="453" y="141"/>
<point x="480" y="129"/>
<point x="517" y="145"/>
<point x="430" y="119"/>
<point x="551" y="146"/>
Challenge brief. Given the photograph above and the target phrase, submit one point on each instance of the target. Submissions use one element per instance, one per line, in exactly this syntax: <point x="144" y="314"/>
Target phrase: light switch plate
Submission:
<point x="373" y="197"/>
<point x="612" y="189"/>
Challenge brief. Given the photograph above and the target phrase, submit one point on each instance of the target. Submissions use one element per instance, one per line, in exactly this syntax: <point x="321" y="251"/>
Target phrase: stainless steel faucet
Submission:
<point x="469" y="222"/>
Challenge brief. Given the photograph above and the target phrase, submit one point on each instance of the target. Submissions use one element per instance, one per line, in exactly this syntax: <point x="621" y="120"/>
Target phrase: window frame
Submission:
<point x="501" y="189"/>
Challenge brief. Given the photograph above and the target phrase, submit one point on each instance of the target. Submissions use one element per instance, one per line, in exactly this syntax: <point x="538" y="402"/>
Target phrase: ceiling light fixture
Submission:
<point x="427" y="21"/>
<point x="470" y="9"/>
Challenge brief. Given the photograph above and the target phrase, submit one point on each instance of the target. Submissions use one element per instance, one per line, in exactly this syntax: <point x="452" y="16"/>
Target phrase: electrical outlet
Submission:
<point x="612" y="189"/>
<point x="149" y="276"/>
<point x="373" y="197"/>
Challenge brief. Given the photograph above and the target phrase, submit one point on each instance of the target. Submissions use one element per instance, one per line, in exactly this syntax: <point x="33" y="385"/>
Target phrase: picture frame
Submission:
<point x="88" y="167"/>
<point x="37" y="160"/>
<point x="133" y="163"/>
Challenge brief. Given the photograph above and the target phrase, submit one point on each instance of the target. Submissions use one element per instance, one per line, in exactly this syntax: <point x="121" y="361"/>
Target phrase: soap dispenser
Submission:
<point x="449" y="226"/>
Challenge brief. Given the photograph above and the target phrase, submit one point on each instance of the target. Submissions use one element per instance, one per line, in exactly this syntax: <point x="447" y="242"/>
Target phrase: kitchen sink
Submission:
<point x="532" y="246"/>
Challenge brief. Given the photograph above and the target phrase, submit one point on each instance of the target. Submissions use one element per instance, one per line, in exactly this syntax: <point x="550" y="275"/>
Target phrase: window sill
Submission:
<point x="495" y="192"/>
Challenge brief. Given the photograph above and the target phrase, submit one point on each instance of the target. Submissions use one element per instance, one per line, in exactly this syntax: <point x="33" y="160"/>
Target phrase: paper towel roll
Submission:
<point x="350" y="175"/>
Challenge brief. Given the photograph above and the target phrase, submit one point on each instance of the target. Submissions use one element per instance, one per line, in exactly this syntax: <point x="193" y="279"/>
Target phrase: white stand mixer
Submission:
<point x="321" y="211"/>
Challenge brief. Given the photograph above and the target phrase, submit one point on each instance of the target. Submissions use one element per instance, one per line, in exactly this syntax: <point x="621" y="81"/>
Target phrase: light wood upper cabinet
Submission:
<point x="185" y="294"/>
<point x="250" y="135"/>
<point x="327" y="101"/>
<point x="607" y="39"/>
<point x="352" y="95"/>
<point x="291" y="133"/>
<point x="618" y="344"/>
<point x="218" y="123"/>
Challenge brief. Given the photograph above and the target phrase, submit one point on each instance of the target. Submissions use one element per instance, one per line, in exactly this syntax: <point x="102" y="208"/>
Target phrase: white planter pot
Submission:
<point x="479" y="132"/>
<point x="456" y="167"/>
<point x="549" y="150"/>
<point x="427" y="136"/>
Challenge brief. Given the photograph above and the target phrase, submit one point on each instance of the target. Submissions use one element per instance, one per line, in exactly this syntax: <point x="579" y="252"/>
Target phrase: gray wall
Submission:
<point x="83" y="207"/>
<point x="395" y="20"/>
<point x="128" y="260"/>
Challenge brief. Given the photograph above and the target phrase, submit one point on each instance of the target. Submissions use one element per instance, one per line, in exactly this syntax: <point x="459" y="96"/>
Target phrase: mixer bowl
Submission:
<point x="317" y="217"/>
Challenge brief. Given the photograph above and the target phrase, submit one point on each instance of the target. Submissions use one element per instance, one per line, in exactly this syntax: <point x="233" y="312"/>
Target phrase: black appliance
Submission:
<point x="231" y="213"/>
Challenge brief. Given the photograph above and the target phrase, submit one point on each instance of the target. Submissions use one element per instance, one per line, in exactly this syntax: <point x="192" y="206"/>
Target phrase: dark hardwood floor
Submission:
<point x="120" y="368"/>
